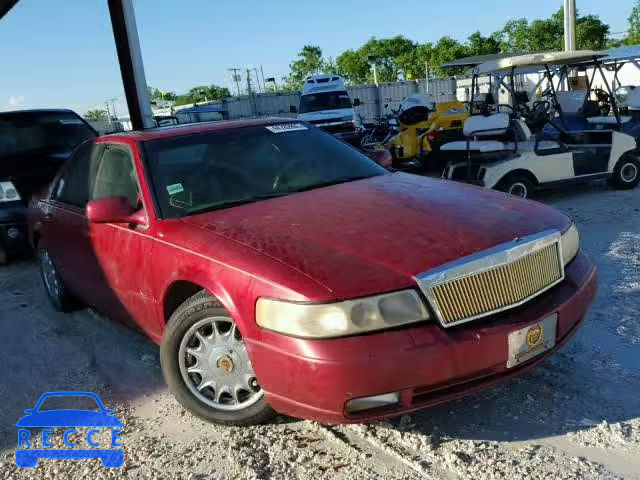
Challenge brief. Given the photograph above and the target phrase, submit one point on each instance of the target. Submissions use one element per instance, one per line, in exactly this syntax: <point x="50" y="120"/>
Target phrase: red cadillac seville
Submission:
<point x="281" y="270"/>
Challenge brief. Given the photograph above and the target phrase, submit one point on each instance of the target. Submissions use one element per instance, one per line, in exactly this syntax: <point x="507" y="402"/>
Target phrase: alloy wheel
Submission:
<point x="215" y="365"/>
<point x="50" y="275"/>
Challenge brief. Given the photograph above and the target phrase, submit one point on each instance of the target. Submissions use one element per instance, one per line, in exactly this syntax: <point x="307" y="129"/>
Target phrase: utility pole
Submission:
<point x="569" y="25"/>
<point x="113" y="109"/>
<point x="426" y="71"/>
<point x="106" y="104"/>
<point x="249" y="88"/>
<point x="264" y="86"/>
<point x="236" y="77"/>
<point x="260" y="87"/>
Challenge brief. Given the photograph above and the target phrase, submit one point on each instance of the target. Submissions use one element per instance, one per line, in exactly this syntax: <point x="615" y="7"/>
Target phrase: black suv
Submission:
<point x="33" y="145"/>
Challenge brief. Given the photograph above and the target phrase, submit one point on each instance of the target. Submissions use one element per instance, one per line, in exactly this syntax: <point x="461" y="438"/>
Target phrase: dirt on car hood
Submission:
<point x="376" y="234"/>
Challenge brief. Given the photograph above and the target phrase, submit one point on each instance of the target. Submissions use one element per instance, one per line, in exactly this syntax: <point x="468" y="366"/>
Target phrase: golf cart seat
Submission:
<point x="633" y="100"/>
<point x="478" y="127"/>
<point x="608" y="120"/>
<point x="487" y="126"/>
<point x="481" y="146"/>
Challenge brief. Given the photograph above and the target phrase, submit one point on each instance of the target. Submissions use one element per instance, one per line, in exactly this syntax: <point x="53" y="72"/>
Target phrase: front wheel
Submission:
<point x="517" y="186"/>
<point x="207" y="367"/>
<point x="57" y="292"/>
<point x="626" y="174"/>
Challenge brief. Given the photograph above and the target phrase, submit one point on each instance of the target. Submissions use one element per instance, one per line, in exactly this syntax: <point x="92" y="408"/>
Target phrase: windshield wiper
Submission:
<point x="234" y="203"/>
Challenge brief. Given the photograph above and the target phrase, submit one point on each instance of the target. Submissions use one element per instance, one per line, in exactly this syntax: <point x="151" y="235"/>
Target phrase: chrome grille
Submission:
<point x="495" y="280"/>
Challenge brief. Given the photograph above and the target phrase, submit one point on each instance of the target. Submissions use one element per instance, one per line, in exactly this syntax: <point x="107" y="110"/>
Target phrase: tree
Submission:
<point x="477" y="44"/>
<point x="633" y="34"/>
<point x="592" y="33"/>
<point x="308" y="62"/>
<point x="204" y="93"/>
<point x="352" y="65"/>
<point x="515" y="36"/>
<point x="548" y="34"/>
<point x="386" y="53"/>
<point x="96" y="115"/>
<point x="156" y="94"/>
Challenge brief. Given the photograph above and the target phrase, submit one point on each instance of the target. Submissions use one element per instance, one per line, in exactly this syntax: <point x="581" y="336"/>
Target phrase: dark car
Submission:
<point x="33" y="146"/>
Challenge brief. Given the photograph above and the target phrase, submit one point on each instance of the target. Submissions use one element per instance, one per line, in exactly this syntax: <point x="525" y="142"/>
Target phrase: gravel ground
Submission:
<point x="576" y="417"/>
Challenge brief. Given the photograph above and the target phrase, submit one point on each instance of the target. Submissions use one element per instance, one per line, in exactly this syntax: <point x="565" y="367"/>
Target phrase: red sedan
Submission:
<point x="281" y="270"/>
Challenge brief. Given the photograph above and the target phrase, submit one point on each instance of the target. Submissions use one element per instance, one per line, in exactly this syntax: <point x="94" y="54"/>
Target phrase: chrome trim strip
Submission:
<point x="487" y="260"/>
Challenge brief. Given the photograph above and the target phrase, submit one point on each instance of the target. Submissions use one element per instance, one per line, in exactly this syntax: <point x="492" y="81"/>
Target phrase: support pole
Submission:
<point x="125" y="34"/>
<point x="570" y="25"/>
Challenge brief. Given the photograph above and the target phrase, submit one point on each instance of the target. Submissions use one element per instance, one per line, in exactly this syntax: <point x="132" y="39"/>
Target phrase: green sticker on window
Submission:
<point x="175" y="189"/>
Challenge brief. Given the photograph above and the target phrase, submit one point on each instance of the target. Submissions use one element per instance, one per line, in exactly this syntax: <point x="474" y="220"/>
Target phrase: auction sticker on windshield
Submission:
<point x="286" y="127"/>
<point x="531" y="341"/>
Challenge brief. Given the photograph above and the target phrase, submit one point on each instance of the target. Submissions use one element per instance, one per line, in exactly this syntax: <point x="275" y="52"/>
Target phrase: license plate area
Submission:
<point x="531" y="341"/>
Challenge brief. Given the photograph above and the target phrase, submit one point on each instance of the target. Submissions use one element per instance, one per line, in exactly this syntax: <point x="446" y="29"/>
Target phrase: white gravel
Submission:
<point x="576" y="417"/>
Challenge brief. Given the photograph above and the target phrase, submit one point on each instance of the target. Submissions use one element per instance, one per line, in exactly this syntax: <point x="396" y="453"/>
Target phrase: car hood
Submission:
<point x="375" y="235"/>
<point x="69" y="418"/>
<point x="30" y="172"/>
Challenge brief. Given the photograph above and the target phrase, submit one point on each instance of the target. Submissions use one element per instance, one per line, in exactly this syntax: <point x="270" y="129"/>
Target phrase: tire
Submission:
<point x="626" y="174"/>
<point x="227" y="365"/>
<point x="517" y="185"/>
<point x="57" y="292"/>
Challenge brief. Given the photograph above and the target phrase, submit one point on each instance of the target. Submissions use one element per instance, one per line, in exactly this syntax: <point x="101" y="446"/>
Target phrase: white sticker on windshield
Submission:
<point x="286" y="127"/>
<point x="71" y="121"/>
<point x="175" y="189"/>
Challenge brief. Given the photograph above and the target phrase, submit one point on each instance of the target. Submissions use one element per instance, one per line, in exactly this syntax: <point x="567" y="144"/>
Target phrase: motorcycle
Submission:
<point x="422" y="129"/>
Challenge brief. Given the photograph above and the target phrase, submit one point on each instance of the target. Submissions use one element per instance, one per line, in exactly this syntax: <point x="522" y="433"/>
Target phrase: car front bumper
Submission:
<point x="314" y="379"/>
<point x="13" y="227"/>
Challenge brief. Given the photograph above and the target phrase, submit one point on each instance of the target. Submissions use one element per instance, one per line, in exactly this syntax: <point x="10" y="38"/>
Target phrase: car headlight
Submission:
<point x="341" y="319"/>
<point x="8" y="192"/>
<point x="570" y="242"/>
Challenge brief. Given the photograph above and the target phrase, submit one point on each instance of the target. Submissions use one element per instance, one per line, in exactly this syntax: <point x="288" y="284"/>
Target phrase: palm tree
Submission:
<point x="96" y="115"/>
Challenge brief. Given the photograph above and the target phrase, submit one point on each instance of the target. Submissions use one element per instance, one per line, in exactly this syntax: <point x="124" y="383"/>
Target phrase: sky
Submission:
<point x="60" y="53"/>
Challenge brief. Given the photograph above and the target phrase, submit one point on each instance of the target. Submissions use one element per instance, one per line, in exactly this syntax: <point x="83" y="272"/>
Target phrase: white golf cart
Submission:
<point x="501" y="152"/>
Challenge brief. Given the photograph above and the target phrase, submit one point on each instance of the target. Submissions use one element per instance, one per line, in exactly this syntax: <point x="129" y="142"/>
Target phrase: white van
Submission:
<point x="326" y="103"/>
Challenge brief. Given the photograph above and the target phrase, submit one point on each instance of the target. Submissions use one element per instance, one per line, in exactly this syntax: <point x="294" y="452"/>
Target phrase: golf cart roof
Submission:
<point x="538" y="60"/>
<point x="622" y="54"/>
<point x="476" y="60"/>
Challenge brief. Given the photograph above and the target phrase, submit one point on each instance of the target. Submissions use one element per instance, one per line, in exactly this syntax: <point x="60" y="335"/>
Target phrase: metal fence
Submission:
<point x="375" y="101"/>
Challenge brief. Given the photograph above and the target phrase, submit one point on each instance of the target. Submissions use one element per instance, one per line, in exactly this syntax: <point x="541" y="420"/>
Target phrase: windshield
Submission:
<point x="32" y="132"/>
<point x="208" y="171"/>
<point x="315" y="102"/>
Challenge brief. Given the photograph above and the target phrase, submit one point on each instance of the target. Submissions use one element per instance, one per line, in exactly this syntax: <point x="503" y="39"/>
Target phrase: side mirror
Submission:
<point x="356" y="102"/>
<point x="381" y="156"/>
<point x="293" y="109"/>
<point x="109" y="210"/>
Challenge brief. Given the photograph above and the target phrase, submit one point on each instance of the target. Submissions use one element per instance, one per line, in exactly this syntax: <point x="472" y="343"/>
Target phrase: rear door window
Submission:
<point x="73" y="186"/>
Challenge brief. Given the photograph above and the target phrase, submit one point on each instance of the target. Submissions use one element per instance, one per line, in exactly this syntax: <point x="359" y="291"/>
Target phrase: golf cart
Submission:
<point x="501" y="152"/>
<point x="535" y="113"/>
<point x="616" y="107"/>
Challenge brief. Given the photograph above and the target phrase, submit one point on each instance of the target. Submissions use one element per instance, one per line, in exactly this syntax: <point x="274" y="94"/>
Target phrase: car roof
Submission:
<point x="37" y="111"/>
<point x="539" y="60"/>
<point x="194" y="128"/>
